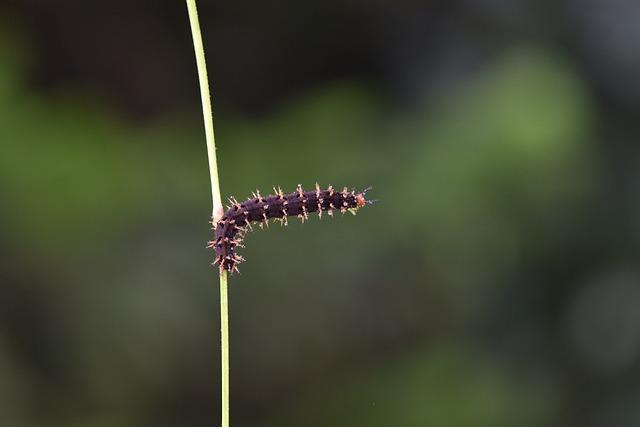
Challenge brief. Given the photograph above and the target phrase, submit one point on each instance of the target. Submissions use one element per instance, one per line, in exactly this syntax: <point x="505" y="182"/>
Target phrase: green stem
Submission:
<point x="215" y="195"/>
<point x="224" y="349"/>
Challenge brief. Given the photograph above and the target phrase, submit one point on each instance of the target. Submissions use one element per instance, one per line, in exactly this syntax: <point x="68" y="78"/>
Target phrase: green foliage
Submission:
<point x="444" y="387"/>
<point x="469" y="185"/>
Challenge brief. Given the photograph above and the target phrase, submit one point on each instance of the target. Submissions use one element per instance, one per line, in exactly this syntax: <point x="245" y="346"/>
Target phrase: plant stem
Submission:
<point x="206" y="108"/>
<point x="215" y="195"/>
<point x="224" y="349"/>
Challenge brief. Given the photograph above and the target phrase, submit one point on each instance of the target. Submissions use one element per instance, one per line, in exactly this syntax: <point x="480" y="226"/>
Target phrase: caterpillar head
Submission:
<point x="361" y="200"/>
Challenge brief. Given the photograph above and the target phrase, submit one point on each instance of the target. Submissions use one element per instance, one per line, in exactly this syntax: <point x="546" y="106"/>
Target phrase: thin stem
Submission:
<point x="224" y="349"/>
<point x="206" y="108"/>
<point x="217" y="210"/>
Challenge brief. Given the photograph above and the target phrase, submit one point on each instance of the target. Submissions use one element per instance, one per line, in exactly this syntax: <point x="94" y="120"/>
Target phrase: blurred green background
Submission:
<point x="496" y="283"/>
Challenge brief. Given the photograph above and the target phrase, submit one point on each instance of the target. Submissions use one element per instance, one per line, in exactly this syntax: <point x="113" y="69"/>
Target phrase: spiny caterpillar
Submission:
<point x="236" y="221"/>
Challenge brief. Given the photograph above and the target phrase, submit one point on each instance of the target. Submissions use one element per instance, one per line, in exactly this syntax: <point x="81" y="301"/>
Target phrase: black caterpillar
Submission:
<point x="236" y="221"/>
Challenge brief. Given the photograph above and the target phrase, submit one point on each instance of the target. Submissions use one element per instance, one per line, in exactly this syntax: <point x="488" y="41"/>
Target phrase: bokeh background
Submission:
<point x="496" y="283"/>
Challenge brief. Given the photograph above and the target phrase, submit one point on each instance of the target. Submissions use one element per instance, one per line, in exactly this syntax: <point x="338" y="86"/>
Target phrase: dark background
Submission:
<point x="496" y="283"/>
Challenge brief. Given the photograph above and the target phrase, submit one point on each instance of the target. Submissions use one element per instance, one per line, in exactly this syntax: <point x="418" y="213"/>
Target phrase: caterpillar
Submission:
<point x="229" y="231"/>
